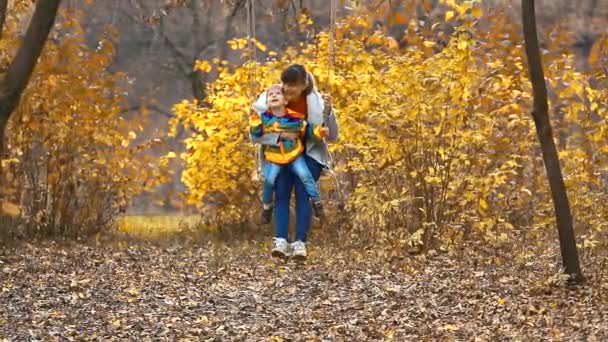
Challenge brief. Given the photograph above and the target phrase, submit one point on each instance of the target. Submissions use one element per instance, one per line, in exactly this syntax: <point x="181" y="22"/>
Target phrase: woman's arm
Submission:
<point x="329" y="119"/>
<point x="320" y="111"/>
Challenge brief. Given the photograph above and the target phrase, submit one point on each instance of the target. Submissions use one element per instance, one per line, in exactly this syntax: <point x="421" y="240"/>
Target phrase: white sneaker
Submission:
<point x="280" y="248"/>
<point x="298" y="250"/>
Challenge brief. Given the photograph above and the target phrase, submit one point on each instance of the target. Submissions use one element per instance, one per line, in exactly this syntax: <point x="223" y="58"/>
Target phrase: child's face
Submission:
<point x="276" y="97"/>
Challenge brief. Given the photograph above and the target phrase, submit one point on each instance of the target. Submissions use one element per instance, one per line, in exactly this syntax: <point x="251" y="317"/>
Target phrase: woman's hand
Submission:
<point x="328" y="105"/>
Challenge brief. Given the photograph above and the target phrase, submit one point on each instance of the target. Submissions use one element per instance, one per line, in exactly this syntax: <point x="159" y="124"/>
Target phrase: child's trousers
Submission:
<point x="299" y="168"/>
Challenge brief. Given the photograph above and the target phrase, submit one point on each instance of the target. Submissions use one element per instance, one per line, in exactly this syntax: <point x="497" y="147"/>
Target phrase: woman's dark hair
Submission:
<point x="296" y="73"/>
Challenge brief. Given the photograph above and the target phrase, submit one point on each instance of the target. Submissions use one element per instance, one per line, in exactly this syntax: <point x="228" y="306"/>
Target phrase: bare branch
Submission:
<point x="156" y="109"/>
<point x="207" y="45"/>
<point x="184" y="60"/>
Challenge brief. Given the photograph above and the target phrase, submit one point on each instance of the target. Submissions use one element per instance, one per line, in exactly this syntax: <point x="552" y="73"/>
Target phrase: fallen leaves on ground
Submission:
<point x="221" y="292"/>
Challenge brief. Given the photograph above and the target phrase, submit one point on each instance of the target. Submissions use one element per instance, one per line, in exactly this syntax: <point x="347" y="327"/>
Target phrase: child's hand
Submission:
<point x="254" y="118"/>
<point x="323" y="131"/>
<point x="253" y="113"/>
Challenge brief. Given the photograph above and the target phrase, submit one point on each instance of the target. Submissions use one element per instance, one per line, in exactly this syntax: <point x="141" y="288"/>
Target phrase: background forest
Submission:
<point x="133" y="126"/>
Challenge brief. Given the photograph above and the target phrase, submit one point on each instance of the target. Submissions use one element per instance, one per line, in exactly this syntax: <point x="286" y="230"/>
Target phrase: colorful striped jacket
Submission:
<point x="287" y="150"/>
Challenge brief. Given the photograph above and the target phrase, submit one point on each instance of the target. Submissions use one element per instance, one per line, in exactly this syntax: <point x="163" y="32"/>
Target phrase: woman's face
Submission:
<point x="293" y="91"/>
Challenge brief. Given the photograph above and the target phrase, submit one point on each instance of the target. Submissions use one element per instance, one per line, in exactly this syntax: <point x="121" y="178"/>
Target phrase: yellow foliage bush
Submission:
<point x="71" y="162"/>
<point x="436" y="139"/>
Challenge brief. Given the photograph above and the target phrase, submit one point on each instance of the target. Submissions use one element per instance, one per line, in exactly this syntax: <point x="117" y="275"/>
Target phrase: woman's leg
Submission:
<point x="283" y="188"/>
<point x="303" y="209"/>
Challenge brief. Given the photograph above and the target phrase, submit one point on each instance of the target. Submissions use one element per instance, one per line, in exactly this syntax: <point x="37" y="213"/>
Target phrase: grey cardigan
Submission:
<point x="315" y="149"/>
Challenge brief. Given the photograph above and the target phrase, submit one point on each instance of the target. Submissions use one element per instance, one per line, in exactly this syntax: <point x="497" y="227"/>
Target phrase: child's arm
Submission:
<point x="255" y="124"/>
<point x="318" y="132"/>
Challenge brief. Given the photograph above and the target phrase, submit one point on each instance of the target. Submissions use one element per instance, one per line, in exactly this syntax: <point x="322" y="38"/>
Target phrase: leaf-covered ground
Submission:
<point x="223" y="292"/>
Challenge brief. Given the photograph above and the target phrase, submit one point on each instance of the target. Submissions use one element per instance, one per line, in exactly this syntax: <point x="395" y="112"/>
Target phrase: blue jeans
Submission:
<point x="297" y="167"/>
<point x="285" y="183"/>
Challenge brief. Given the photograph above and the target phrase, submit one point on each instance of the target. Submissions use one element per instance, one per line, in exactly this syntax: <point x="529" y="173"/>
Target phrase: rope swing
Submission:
<point x="252" y="60"/>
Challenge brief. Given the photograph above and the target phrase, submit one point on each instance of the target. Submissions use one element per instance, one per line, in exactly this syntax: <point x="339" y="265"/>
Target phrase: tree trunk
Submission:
<point x="540" y="114"/>
<point x="22" y="66"/>
<point x="3" y="10"/>
<point x="591" y="8"/>
<point x="197" y="77"/>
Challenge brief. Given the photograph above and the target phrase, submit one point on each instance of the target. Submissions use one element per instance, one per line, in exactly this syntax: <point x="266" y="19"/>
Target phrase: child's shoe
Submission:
<point x="317" y="207"/>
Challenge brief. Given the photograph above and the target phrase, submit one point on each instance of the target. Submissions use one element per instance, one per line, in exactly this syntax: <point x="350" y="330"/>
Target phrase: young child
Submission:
<point x="289" y="153"/>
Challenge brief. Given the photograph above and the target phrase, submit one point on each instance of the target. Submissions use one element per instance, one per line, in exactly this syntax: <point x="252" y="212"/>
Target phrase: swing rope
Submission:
<point x="332" y="38"/>
<point x="252" y="59"/>
<point x="330" y="66"/>
<point x="251" y="53"/>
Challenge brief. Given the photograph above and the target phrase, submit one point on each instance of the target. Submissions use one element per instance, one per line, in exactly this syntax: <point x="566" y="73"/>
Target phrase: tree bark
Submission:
<point x="196" y="76"/>
<point x="540" y="114"/>
<point x="21" y="68"/>
<point x="3" y="9"/>
<point x="591" y="8"/>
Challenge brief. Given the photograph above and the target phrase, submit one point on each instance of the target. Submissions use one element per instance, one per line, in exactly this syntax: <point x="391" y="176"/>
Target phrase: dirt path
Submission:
<point x="220" y="293"/>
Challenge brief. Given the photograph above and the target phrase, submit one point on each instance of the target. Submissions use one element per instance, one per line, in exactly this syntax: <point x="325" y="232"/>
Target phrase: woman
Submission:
<point x="302" y="97"/>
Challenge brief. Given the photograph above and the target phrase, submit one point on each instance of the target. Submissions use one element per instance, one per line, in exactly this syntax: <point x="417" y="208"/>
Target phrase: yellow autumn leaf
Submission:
<point x="449" y="15"/>
<point x="594" y="106"/>
<point x="6" y="162"/>
<point x="202" y="320"/>
<point x="477" y="12"/>
<point x="133" y="291"/>
<point x="11" y="209"/>
<point x="462" y="44"/>
<point x="483" y="204"/>
<point x="389" y="334"/>
<point x="260" y="46"/>
<point x="596" y="50"/>
<point x="392" y="43"/>
<point x="450" y="327"/>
